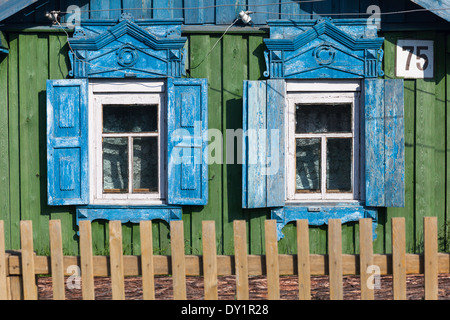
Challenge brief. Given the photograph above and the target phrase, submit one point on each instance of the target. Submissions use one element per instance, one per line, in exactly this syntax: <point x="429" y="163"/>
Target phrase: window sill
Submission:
<point x="133" y="214"/>
<point x="318" y="213"/>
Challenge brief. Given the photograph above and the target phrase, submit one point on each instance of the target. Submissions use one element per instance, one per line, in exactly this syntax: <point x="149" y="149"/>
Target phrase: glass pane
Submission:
<point x="123" y="118"/>
<point x="145" y="164"/>
<point x="318" y="118"/>
<point x="339" y="165"/>
<point x="115" y="165"/>
<point x="307" y="175"/>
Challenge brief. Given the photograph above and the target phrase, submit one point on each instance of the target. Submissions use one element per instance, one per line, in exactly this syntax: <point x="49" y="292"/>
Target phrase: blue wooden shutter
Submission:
<point x="263" y="163"/>
<point x="67" y="142"/>
<point x="187" y="136"/>
<point x="384" y="143"/>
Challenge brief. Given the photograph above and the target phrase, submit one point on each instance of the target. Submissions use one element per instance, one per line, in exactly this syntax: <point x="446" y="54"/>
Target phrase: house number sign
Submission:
<point x="415" y="59"/>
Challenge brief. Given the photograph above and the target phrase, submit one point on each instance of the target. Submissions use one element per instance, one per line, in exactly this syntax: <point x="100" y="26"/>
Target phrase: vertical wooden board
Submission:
<point x="335" y="259"/>
<point x="295" y="11"/>
<point x="3" y="264"/>
<point x="257" y="144"/>
<point x="303" y="260"/>
<point x="409" y="123"/>
<point x="447" y="153"/>
<point x="234" y="59"/>
<point x="29" y="132"/>
<point x="241" y="260"/>
<point x="209" y="260"/>
<point x="86" y="257"/>
<point x="366" y="258"/>
<point x="275" y="142"/>
<point x="116" y="260"/>
<point x="139" y="8"/>
<point x="27" y="257"/>
<point x="14" y="153"/>
<point x="43" y="215"/>
<point x="398" y="258"/>
<point x="178" y="260"/>
<point x="148" y="281"/>
<point x="264" y="10"/>
<point x="374" y="141"/>
<point x="440" y="131"/>
<point x="256" y="61"/>
<point x="228" y="10"/>
<point x="4" y="143"/>
<point x="102" y="9"/>
<point x="394" y="144"/>
<point x="99" y="237"/>
<point x="56" y="252"/>
<point x="172" y="9"/>
<point x="199" y="12"/>
<point x="425" y="155"/>
<point x="430" y="258"/>
<point x="318" y="239"/>
<point x="272" y="264"/>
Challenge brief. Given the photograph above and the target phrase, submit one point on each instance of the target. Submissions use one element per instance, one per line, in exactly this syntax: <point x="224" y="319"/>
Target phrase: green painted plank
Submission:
<point x="426" y="200"/>
<point x="29" y="131"/>
<point x="440" y="131"/>
<point x="4" y="149"/>
<point x="41" y="77"/>
<point x="14" y="150"/>
<point x="235" y="62"/>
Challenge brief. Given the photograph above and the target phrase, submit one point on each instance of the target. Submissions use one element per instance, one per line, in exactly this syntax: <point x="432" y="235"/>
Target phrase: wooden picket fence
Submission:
<point x="18" y="270"/>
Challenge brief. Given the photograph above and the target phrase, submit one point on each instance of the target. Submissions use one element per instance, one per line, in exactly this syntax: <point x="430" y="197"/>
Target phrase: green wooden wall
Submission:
<point x="37" y="56"/>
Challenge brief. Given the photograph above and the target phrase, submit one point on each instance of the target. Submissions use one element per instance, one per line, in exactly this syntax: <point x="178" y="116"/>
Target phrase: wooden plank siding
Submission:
<point x="224" y="12"/>
<point x="235" y="58"/>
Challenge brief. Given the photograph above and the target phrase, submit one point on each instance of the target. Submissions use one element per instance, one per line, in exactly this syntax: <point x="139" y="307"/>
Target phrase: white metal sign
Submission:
<point x="415" y="59"/>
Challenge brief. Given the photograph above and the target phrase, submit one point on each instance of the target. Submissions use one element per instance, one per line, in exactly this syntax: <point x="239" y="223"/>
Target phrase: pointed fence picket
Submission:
<point x="18" y="269"/>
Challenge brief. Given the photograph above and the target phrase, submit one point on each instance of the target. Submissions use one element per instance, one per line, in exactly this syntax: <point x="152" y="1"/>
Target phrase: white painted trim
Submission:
<point x="349" y="85"/>
<point x="126" y="86"/>
<point x="135" y="96"/>
<point x="307" y="97"/>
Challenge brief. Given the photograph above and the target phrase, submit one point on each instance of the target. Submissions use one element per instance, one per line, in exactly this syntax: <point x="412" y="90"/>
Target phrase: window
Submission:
<point x="128" y="139"/>
<point x="322" y="141"/>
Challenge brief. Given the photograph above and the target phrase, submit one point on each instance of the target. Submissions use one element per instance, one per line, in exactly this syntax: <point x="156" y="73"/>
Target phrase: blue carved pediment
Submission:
<point x="317" y="49"/>
<point x="144" y="49"/>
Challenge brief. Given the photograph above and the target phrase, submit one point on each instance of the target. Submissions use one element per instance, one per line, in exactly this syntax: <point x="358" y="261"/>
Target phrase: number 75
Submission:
<point x="420" y="55"/>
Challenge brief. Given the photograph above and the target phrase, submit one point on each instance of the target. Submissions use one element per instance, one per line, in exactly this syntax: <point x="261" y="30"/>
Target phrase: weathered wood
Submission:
<point x="241" y="260"/>
<point x="209" y="260"/>
<point x="3" y="264"/>
<point x="178" y="260"/>
<point x="335" y="259"/>
<point x="87" y="265"/>
<point x="148" y="280"/>
<point x="56" y="252"/>
<point x="272" y="261"/>
<point x="398" y="258"/>
<point x="430" y="258"/>
<point x="366" y="258"/>
<point x="115" y="248"/>
<point x="27" y="251"/>
<point x="303" y="260"/>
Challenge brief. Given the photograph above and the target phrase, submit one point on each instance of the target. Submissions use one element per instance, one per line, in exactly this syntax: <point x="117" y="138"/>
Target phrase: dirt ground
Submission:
<point x="257" y="286"/>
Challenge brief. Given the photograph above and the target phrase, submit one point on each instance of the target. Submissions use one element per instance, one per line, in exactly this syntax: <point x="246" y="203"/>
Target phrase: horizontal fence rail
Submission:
<point x="18" y="269"/>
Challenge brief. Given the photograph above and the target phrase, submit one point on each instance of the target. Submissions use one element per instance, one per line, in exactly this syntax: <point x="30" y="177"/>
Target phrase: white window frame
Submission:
<point x="322" y="92"/>
<point x="132" y="92"/>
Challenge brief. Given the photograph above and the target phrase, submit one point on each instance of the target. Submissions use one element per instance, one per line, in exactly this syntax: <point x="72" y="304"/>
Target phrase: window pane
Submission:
<point x="339" y="165"/>
<point x="308" y="165"/>
<point x="317" y="118"/>
<point x="136" y="118"/>
<point x="145" y="164"/>
<point x="115" y="165"/>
